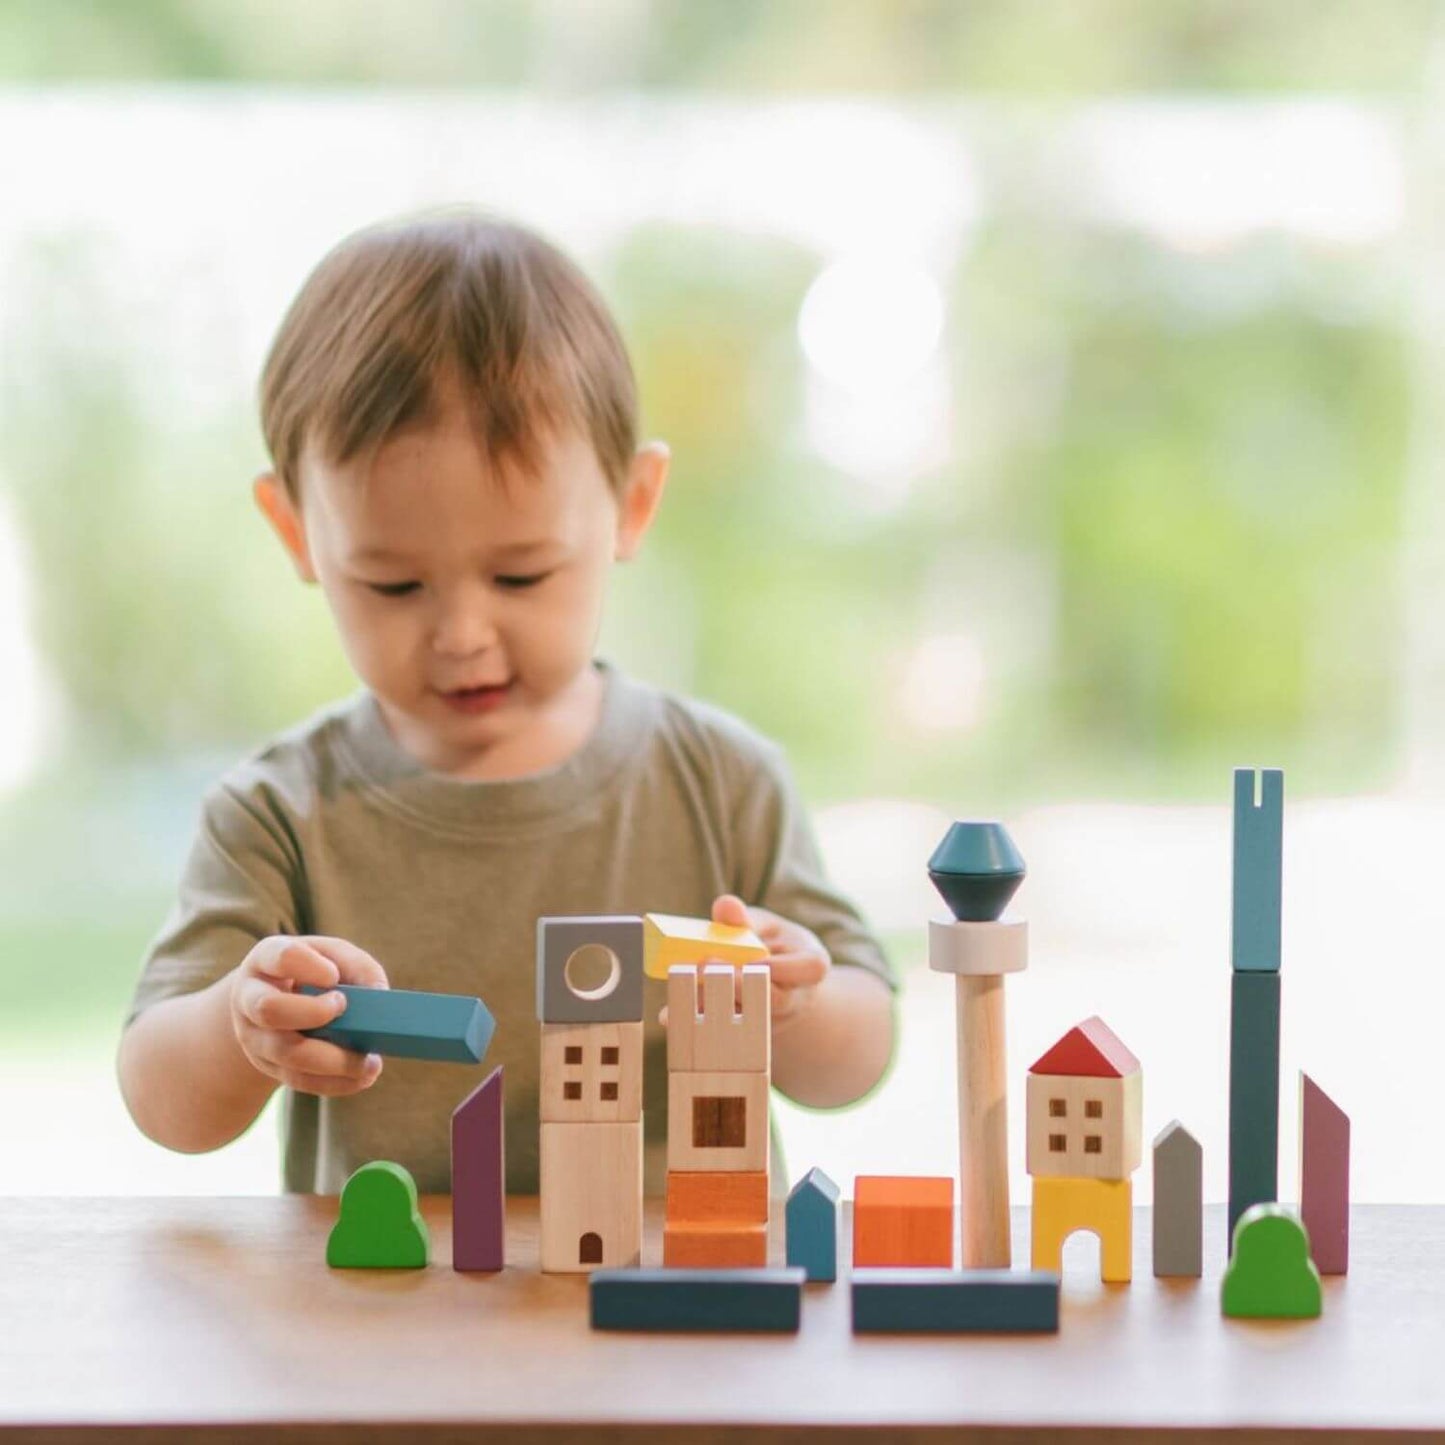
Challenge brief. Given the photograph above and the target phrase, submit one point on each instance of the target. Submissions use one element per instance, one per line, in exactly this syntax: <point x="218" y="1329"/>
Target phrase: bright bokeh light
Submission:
<point x="871" y="324"/>
<point x="945" y="683"/>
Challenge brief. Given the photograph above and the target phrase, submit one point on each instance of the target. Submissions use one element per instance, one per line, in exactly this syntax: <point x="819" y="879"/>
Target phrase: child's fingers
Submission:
<point x="322" y="1058"/>
<point x="262" y="1004"/>
<point x="297" y="961"/>
<point x="332" y="1085"/>
<point x="798" y="970"/>
<point x="354" y="964"/>
<point x="730" y="909"/>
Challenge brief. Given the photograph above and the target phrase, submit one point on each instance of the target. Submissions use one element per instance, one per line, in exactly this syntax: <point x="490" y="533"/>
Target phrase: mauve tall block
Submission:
<point x="1325" y="1177"/>
<point x="479" y="1178"/>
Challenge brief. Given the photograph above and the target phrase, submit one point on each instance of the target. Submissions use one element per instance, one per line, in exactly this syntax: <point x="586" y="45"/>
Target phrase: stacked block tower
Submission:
<point x="591" y="1092"/>
<point x="1085" y="1112"/>
<point x="719" y="1066"/>
<point x="1254" y="1000"/>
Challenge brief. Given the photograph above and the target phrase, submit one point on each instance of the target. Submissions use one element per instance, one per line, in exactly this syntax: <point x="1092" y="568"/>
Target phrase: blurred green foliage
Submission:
<point x="1052" y="47"/>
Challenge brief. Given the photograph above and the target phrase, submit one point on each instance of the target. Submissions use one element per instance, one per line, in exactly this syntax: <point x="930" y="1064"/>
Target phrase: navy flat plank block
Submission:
<point x="691" y="1300"/>
<point x="948" y="1301"/>
<point x="404" y="1024"/>
<point x="1258" y="852"/>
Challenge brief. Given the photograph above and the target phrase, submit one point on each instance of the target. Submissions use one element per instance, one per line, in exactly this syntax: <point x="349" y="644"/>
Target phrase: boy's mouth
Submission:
<point x="473" y="700"/>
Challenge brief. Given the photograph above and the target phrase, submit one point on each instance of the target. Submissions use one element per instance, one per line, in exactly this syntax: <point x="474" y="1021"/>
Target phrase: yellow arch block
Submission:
<point x="1105" y="1207"/>
<point x="668" y="939"/>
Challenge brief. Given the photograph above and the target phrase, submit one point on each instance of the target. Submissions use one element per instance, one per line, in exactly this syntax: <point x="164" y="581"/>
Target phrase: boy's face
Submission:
<point x="469" y="604"/>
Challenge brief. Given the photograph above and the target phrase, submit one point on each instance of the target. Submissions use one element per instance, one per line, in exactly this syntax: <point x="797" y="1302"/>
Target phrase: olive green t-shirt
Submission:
<point x="332" y="829"/>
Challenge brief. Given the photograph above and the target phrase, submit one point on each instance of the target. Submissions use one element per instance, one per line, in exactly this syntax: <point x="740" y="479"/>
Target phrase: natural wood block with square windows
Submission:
<point x="1084" y="1127"/>
<point x="591" y="1073"/>
<point x="717" y="1122"/>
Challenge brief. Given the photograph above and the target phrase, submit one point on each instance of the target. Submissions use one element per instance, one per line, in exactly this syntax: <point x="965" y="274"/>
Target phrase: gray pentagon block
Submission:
<point x="558" y="939"/>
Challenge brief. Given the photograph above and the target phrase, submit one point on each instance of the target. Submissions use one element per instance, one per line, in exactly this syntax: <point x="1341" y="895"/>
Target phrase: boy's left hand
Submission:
<point x="797" y="958"/>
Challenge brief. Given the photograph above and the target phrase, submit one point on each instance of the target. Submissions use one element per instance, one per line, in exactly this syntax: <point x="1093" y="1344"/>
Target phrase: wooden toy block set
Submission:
<point x="1083" y="1106"/>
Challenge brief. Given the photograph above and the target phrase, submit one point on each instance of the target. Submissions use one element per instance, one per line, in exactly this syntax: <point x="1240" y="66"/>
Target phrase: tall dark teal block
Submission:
<point x="1258" y="849"/>
<point x="405" y="1024"/>
<point x="1253" y="1092"/>
<point x="812" y="1224"/>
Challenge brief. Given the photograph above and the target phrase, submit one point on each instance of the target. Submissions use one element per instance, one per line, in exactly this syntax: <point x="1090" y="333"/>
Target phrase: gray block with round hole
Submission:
<point x="558" y="939"/>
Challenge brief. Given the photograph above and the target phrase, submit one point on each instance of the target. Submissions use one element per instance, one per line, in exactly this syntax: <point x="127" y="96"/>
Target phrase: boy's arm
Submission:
<point x="215" y="1023"/>
<point x="834" y="990"/>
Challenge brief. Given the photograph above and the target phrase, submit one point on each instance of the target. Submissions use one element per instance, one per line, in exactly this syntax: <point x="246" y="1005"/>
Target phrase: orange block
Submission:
<point x="717" y="1198"/>
<point x="902" y="1222"/>
<point x="715" y="1246"/>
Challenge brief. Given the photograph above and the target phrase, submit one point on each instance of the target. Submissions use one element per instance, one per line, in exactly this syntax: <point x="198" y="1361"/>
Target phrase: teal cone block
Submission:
<point x="976" y="869"/>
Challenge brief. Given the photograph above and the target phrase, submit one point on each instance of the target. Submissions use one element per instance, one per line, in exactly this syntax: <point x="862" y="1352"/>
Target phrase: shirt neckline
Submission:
<point x="399" y="783"/>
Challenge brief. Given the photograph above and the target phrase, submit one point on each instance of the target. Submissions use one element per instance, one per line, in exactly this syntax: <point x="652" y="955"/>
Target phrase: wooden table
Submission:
<point x="217" y="1319"/>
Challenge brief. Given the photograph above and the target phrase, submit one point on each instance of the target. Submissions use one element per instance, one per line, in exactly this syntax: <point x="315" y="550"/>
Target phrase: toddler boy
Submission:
<point x="452" y="422"/>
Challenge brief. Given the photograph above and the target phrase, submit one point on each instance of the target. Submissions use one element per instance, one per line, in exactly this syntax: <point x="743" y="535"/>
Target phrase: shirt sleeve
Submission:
<point x="241" y="883"/>
<point x="780" y="868"/>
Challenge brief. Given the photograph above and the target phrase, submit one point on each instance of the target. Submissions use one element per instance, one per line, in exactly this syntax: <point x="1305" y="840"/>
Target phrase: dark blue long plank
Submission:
<point x="688" y="1300"/>
<point x="948" y="1301"/>
<point x="407" y="1024"/>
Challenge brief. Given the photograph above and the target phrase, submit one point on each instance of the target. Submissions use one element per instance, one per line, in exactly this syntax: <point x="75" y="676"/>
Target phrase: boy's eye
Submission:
<point x="518" y="582"/>
<point x="393" y="589"/>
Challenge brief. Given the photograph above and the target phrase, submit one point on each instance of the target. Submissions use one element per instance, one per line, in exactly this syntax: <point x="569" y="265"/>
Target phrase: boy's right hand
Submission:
<point x="268" y="1012"/>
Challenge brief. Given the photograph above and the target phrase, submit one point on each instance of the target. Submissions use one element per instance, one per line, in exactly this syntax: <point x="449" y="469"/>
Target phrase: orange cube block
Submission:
<point x="717" y="1198"/>
<point x="902" y="1222"/>
<point x="715" y="1246"/>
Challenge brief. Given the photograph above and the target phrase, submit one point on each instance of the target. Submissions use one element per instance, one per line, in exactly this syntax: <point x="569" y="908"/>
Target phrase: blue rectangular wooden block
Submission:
<point x="737" y="1300"/>
<point x="406" y="1024"/>
<point x="1258" y="851"/>
<point x="948" y="1301"/>
<point x="1253" y="1092"/>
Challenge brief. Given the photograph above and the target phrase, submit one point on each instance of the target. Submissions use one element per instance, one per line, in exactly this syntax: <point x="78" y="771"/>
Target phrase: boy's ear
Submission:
<point x="646" y="478"/>
<point x="285" y="519"/>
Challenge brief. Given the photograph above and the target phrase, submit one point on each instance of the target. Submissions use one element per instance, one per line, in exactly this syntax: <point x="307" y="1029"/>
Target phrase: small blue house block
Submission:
<point x="812" y="1226"/>
<point x="404" y="1024"/>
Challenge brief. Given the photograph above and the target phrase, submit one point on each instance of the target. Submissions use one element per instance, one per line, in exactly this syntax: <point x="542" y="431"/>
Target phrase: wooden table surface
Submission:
<point x="217" y="1319"/>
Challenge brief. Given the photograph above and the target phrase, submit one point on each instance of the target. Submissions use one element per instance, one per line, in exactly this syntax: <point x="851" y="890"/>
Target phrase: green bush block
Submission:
<point x="1271" y="1275"/>
<point x="379" y="1226"/>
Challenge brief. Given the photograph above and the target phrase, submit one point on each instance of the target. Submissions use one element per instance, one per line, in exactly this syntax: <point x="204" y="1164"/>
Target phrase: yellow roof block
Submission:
<point x="668" y="939"/>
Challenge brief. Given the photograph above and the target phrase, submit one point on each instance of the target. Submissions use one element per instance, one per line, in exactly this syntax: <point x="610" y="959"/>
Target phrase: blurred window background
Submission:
<point x="1052" y="391"/>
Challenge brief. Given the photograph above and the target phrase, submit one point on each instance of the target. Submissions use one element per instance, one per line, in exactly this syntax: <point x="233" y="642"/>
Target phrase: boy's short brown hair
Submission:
<point x="395" y="310"/>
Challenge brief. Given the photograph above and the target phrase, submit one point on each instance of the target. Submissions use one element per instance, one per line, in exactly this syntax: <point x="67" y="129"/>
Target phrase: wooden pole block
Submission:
<point x="1325" y="1177"/>
<point x="1104" y="1207"/>
<point x="902" y="1221"/>
<point x="1178" y="1204"/>
<point x="479" y="1178"/>
<point x="591" y="1196"/>
<point x="982" y="1122"/>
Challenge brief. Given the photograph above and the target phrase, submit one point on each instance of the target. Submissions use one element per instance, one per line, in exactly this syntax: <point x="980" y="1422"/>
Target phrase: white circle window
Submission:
<point x="592" y="972"/>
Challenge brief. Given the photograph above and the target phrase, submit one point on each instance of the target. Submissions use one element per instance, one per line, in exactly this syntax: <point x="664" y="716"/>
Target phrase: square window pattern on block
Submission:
<point x="577" y="1087"/>
<point x="1107" y="1140"/>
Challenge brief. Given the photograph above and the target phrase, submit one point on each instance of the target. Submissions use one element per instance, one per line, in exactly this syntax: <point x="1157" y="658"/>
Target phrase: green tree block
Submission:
<point x="1271" y="1275"/>
<point x="379" y="1226"/>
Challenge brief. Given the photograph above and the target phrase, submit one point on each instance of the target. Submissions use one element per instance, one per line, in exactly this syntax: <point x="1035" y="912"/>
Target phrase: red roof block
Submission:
<point x="1091" y="1049"/>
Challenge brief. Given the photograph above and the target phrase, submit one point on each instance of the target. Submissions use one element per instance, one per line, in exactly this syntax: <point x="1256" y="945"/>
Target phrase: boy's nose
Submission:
<point x="464" y="628"/>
